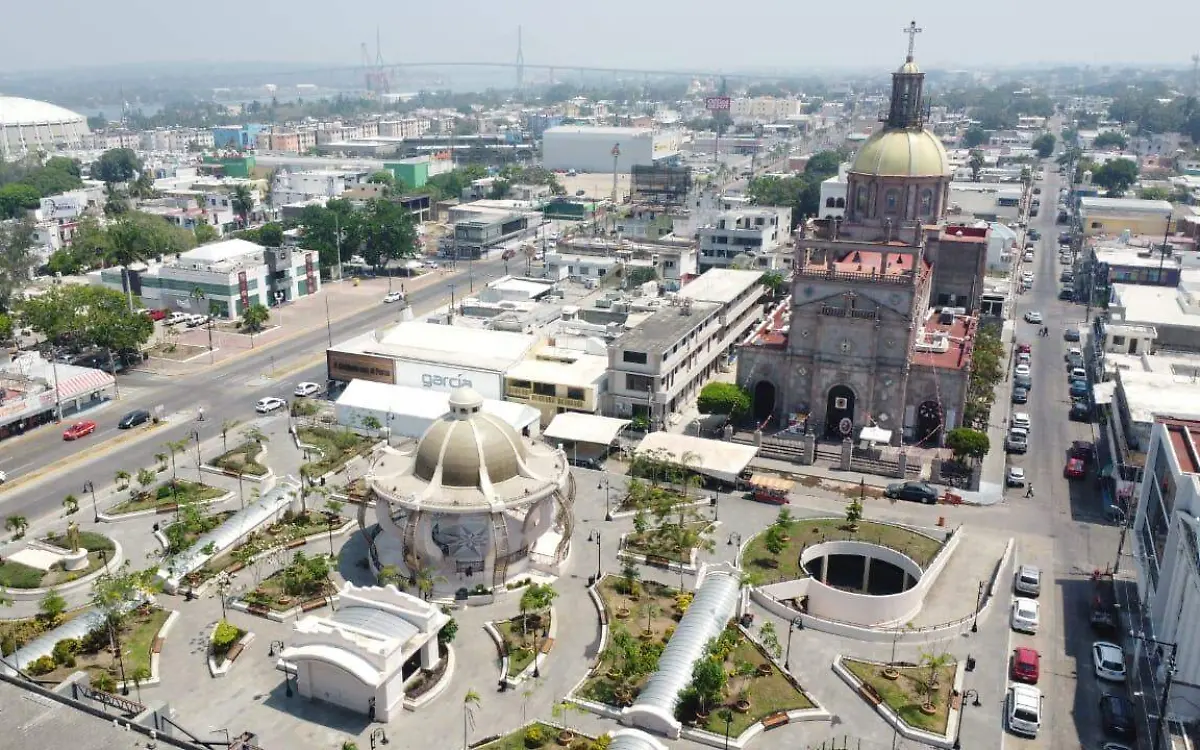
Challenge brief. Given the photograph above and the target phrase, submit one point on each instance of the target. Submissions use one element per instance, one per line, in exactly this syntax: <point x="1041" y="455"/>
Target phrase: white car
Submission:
<point x="1109" y="661"/>
<point x="176" y="318"/>
<point x="1024" y="709"/>
<point x="1015" y="477"/>
<point x="1033" y="316"/>
<point x="1024" y="358"/>
<point x="1022" y="370"/>
<point x="1021" y="419"/>
<point x="394" y="297"/>
<point x="307" y="389"/>
<point x="1028" y="580"/>
<point x="3" y="477"/>
<point x="1026" y="615"/>
<point x="269" y="404"/>
<point x="1027" y="277"/>
<point x="1028" y="258"/>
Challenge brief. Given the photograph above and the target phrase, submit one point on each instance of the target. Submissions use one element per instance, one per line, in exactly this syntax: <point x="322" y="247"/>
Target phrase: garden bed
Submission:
<point x="290" y="528"/>
<point x="335" y="448"/>
<point x="670" y="542"/>
<point x="767" y="694"/>
<point x="805" y="532"/>
<point x="163" y="496"/>
<point x="303" y="580"/>
<point x="905" y="694"/>
<point x="14" y="634"/>
<point x="136" y="636"/>
<point x="15" y="575"/>
<point x="242" y="459"/>
<point x="539" y="734"/>
<point x="175" y="352"/>
<point x="522" y="640"/>
<point x="182" y="534"/>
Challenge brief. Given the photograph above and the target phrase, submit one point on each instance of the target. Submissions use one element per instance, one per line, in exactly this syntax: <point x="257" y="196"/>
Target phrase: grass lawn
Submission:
<point x="184" y="492"/>
<point x="769" y="694"/>
<point x="16" y="633"/>
<point x="334" y="448"/>
<point x="516" y="740"/>
<point x="905" y="694"/>
<point x="665" y="543"/>
<point x="240" y="459"/>
<point x="15" y="575"/>
<point x="136" y="636"/>
<point x="809" y="531"/>
<point x="520" y="640"/>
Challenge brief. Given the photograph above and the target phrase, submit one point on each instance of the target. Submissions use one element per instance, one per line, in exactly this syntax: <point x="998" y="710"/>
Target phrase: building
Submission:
<point x="1173" y="312"/>
<point x="1167" y="556"/>
<point x="362" y="654"/>
<point x="229" y="276"/>
<point x="556" y="380"/>
<point x="34" y="391"/>
<point x="403" y="411"/>
<point x="28" y="126"/>
<point x="472" y="501"/>
<point x="1117" y="216"/>
<point x="590" y="149"/>
<point x="296" y="187"/>
<point x="879" y="326"/>
<point x="749" y="235"/>
<point x="833" y="194"/>
<point x="763" y="108"/>
<point x="431" y="356"/>
<point x="242" y="137"/>
<point x="984" y="201"/>
<point x="658" y="367"/>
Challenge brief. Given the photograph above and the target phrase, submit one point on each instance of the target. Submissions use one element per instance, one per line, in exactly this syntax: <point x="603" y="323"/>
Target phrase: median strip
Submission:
<point x="101" y="451"/>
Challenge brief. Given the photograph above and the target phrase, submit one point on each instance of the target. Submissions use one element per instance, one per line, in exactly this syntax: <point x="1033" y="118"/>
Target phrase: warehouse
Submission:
<point x="406" y="412"/>
<point x="590" y="149"/>
<point x="431" y="356"/>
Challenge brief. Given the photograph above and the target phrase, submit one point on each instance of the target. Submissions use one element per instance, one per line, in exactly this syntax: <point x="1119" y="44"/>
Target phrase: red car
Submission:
<point x="1074" y="469"/>
<point x="79" y="429"/>
<point x="1024" y="349"/>
<point x="154" y="314"/>
<point x="1026" y="665"/>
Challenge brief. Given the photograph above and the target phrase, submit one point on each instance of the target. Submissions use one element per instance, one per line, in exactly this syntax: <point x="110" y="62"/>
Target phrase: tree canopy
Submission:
<point x="1110" y="138"/>
<point x="1044" y="145"/>
<point x="968" y="443"/>
<point x="117" y="165"/>
<point x="87" y="316"/>
<point x="1115" y="176"/>
<point x="975" y="136"/>
<point x="383" y="230"/>
<point x="723" y="398"/>
<point x="134" y="236"/>
<point x="451" y="184"/>
<point x="802" y="193"/>
<point x="17" y="259"/>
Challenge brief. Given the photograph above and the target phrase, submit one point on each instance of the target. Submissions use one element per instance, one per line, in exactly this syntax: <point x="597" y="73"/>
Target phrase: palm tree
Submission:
<point x="176" y="446"/>
<point x="122" y="479"/>
<point x="254" y="317"/>
<point x="935" y="663"/>
<point x="71" y="503"/>
<point x="226" y="426"/>
<point x="145" y="478"/>
<point x="17" y="525"/>
<point x="197" y="295"/>
<point x="975" y="162"/>
<point x="242" y="202"/>
<point x="139" y="675"/>
<point x="161" y="458"/>
<point x="426" y="580"/>
<point x="650" y="610"/>
<point x="470" y="703"/>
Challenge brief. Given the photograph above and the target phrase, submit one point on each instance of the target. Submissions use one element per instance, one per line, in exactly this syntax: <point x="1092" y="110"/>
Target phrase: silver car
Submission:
<point x="1028" y="580"/>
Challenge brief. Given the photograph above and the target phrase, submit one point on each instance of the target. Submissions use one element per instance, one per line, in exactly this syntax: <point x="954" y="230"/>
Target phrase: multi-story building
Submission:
<point x="758" y="232"/>
<point x="1115" y="216"/>
<point x="295" y="187"/>
<point x="833" y="194"/>
<point x="556" y="380"/>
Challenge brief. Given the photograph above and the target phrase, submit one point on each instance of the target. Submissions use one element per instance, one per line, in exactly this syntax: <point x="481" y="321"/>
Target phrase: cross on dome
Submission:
<point x="912" y="30"/>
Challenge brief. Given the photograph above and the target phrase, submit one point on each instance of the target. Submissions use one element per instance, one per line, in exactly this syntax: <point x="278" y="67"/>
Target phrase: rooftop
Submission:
<point x="773" y="332"/>
<point x="217" y="252"/>
<point x="562" y="367"/>
<point x="446" y="344"/>
<point x="1135" y="257"/>
<point x="1185" y="437"/>
<point x="944" y="341"/>
<point x="1152" y="305"/>
<point x="897" y="265"/>
<point x="1153" y="394"/>
<point x="597" y="130"/>
<point x="722" y="285"/>
<point x="1125" y="206"/>
<point x="665" y="328"/>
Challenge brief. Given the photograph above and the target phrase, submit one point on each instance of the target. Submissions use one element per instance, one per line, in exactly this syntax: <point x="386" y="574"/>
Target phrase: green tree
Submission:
<point x="773" y="540"/>
<point x="382" y="177"/>
<point x="17" y="259"/>
<point x="321" y="227"/>
<point x="113" y="592"/>
<point x="1110" y="139"/>
<point x="470" y="704"/>
<point x="1115" y="176"/>
<point x="17" y="525"/>
<point x="974" y="136"/>
<point x="388" y="233"/>
<point x="775" y="283"/>
<point x="71" y="504"/>
<point x="145" y="478"/>
<point x="968" y="443"/>
<point x="117" y="165"/>
<point x="708" y="682"/>
<point x="92" y="315"/>
<point x="16" y="199"/>
<point x="975" y="162"/>
<point x="1155" y="194"/>
<point x="205" y="233"/>
<point x="270" y="235"/>
<point x="52" y="606"/>
<point x="254" y="317"/>
<point x="1044" y="145"/>
<point x="723" y="398"/>
<point x="242" y="203"/>
<point x="6" y="327"/>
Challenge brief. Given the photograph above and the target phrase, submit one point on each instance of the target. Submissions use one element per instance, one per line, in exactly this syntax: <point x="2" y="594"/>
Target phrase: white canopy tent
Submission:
<point x="714" y="458"/>
<point x="577" y="427"/>
<point x="875" y="435"/>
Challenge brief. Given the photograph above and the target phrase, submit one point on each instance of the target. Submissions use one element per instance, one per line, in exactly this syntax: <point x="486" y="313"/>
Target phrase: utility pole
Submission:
<point x="616" y="155"/>
<point x="520" y="63"/>
<point x="450" y="317"/>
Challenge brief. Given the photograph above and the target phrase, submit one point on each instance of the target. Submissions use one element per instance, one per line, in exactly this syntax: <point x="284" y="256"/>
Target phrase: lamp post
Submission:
<point x="727" y="717"/>
<point x="91" y="488"/>
<point x="196" y="437"/>
<point x="735" y="539"/>
<point x="378" y="735"/>
<point x="276" y="647"/>
<point x="1168" y="679"/>
<point x="715" y="503"/>
<point x="794" y="625"/>
<point x="606" y="483"/>
<point x="969" y="694"/>
<point x="594" y="536"/>
<point x="978" y="604"/>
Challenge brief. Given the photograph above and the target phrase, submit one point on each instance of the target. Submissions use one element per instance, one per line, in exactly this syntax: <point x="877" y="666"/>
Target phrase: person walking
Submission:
<point x="1029" y="490"/>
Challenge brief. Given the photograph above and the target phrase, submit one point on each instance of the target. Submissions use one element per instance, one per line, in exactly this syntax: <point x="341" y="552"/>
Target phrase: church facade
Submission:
<point x="879" y="326"/>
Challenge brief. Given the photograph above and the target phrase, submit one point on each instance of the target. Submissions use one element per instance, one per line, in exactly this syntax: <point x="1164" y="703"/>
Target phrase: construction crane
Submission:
<point x="375" y="71"/>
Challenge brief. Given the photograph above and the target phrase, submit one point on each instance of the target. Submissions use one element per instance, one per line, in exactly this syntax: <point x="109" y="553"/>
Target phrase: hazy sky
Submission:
<point x="673" y="34"/>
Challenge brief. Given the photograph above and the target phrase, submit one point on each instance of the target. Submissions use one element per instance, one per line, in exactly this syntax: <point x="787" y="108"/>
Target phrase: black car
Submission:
<point x="1023" y="381"/>
<point x="1071" y="334"/>
<point x="1066" y="294"/>
<point x="917" y="492"/>
<point x="1066" y="277"/>
<point x="1020" y="395"/>
<point x="1116" y="716"/>
<point x="1035" y="234"/>
<point x="1080" y="412"/>
<point x="133" y="419"/>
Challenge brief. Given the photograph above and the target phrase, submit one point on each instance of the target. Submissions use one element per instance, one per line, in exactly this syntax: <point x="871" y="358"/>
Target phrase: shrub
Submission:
<point x="42" y="665"/>
<point x="95" y="640"/>
<point x="104" y="682"/>
<point x="65" y="650"/>
<point x="224" y="637"/>
<point x="534" y="737"/>
<point x="163" y="492"/>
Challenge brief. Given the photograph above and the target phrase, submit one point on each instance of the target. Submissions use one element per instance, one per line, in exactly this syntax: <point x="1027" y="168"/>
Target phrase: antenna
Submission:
<point x="520" y="62"/>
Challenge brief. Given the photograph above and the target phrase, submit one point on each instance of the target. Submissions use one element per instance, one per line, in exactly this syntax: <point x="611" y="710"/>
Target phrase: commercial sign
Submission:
<point x="344" y="367"/>
<point x="244" y="289"/>
<point x="716" y="103"/>
<point x="310" y="272"/>
<point x="63" y="206"/>
<point x="446" y="378"/>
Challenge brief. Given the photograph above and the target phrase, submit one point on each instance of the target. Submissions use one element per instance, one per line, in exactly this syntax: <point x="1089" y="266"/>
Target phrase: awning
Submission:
<point x="714" y="458"/>
<point x="772" y="482"/>
<point x="83" y="383"/>
<point x="875" y="435"/>
<point x="577" y="427"/>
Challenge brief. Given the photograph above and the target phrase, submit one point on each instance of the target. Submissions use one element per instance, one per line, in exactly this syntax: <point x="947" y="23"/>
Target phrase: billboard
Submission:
<point x="346" y="366"/>
<point x="244" y="289"/>
<point x="67" y="206"/>
<point x="660" y="184"/>
<point x="716" y="103"/>
<point x="310" y="272"/>
<point x="445" y="377"/>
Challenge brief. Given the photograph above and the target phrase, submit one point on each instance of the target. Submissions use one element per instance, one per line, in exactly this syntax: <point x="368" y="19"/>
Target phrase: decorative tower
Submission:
<point x="906" y="110"/>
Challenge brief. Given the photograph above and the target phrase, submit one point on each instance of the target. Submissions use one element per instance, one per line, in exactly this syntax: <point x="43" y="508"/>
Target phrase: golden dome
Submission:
<point x="909" y="67"/>
<point x="468" y="446"/>
<point x="902" y="152"/>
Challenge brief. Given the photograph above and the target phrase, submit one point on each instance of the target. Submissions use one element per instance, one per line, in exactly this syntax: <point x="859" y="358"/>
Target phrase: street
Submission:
<point x="227" y="391"/>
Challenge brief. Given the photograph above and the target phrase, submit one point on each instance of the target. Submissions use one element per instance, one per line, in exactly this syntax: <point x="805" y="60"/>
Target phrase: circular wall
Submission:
<point x="861" y="583"/>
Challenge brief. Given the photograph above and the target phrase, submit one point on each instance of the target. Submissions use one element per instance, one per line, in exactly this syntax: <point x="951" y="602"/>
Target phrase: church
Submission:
<point x="878" y="329"/>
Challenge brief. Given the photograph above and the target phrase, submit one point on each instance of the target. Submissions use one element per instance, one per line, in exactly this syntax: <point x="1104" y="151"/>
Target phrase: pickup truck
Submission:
<point x="1105" y="616"/>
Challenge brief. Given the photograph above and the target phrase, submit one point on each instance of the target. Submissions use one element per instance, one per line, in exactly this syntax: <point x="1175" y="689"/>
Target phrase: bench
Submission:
<point x="156" y="647"/>
<point x="775" y="720"/>
<point x="547" y="645"/>
<point x="233" y="653"/>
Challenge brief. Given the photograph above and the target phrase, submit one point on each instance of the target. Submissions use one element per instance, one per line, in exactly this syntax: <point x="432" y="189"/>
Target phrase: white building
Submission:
<point x="590" y="149"/>
<point x="833" y="194"/>
<point x="1002" y="242"/>
<point x="28" y="126"/>
<point x="296" y="187"/>
<point x="432" y="357"/>
<point x="656" y="369"/>
<point x="763" y="108"/>
<point x="407" y="412"/>
<point x="355" y="657"/>
<point x="1167" y="556"/>
<point x="231" y="275"/>
<point x="757" y="232"/>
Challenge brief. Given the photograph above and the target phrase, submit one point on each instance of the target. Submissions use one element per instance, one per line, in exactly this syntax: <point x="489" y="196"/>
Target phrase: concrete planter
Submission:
<point x="283" y="615"/>
<point x="538" y="658"/>
<point x="155" y="649"/>
<point x="954" y="715"/>
<point x="218" y="670"/>
<point x="36" y="595"/>
<point x="161" y="510"/>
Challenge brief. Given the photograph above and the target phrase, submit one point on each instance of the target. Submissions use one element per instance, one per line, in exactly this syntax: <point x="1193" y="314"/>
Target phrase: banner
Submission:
<point x="716" y="103"/>
<point x="244" y="288"/>
<point x="310" y="273"/>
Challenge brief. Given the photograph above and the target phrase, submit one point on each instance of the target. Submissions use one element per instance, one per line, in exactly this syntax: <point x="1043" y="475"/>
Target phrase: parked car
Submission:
<point x="1024" y="348"/>
<point x="1024" y="704"/>
<point x="1033" y="316"/>
<point x="1028" y="257"/>
<point x="1080" y="412"/>
<point x="1015" y="477"/>
<point x="1026" y="615"/>
<point x="1028" y="581"/>
<point x="1075" y="469"/>
<point x="1024" y="358"/>
<point x="917" y="492"/>
<point x="1116" y="716"/>
<point x="1026" y="665"/>
<point x="1083" y="449"/>
<point x="1021" y="419"/>
<point x="1079" y="388"/>
<point x="3" y="477"/>
<point x="393" y="297"/>
<point x="1078" y="373"/>
<point x="1033" y="233"/>
<point x="1108" y="659"/>
<point x="133" y="419"/>
<point x="1020" y="396"/>
<point x="1066" y="277"/>
<point x="1066" y="294"/>
<point x="307" y="389"/>
<point x="79" y="429"/>
<point x="176" y="318"/>
<point x="1017" y="441"/>
<point x="198" y="320"/>
<point x="269" y="404"/>
<point x="1023" y="369"/>
<point x="156" y="314"/>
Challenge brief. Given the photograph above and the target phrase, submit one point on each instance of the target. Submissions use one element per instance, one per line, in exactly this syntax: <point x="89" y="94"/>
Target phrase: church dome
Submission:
<point x="467" y="447"/>
<point x="902" y="152"/>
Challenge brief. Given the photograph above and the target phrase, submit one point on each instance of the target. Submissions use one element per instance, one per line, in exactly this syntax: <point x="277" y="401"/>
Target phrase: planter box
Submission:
<point x="222" y="669"/>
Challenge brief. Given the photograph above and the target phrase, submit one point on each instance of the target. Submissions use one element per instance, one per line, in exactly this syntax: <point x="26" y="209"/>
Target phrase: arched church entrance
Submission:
<point x="929" y="423"/>
<point x="839" y="412"/>
<point x="764" y="400"/>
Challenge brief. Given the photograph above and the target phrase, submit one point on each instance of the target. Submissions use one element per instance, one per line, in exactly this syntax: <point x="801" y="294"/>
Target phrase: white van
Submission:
<point x="1024" y="710"/>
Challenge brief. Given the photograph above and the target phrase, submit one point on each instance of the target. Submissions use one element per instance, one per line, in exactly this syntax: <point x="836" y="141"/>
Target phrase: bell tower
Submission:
<point x="906" y="110"/>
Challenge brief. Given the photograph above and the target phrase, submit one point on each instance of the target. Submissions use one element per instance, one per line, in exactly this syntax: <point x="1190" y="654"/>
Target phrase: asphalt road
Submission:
<point x="1074" y="536"/>
<point x="227" y="391"/>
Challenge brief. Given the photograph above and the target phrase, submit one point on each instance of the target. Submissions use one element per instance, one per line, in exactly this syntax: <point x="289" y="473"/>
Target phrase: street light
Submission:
<point x="594" y="536"/>
<point x="606" y="484"/>
<point x="796" y="624"/>
<point x="1160" y="723"/>
<point x="978" y="604"/>
<point x="196" y="437"/>
<point x="727" y="717"/>
<point x="973" y="695"/>
<point x="91" y="488"/>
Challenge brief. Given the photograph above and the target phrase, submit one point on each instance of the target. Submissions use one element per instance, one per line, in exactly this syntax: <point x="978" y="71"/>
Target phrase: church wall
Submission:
<point x="946" y="387"/>
<point x="959" y="270"/>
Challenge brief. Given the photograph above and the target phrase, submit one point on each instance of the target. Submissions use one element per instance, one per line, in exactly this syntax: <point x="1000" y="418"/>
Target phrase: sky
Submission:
<point x="656" y="34"/>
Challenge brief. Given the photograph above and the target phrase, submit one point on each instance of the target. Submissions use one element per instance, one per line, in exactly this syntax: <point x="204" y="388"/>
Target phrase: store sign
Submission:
<point x="345" y="367"/>
<point x="310" y="272"/>
<point x="63" y="207"/>
<point x="716" y="103"/>
<point x="244" y="289"/>
<point x="442" y="381"/>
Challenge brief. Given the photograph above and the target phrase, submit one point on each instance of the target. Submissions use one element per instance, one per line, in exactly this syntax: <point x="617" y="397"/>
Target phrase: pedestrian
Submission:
<point x="1029" y="490"/>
